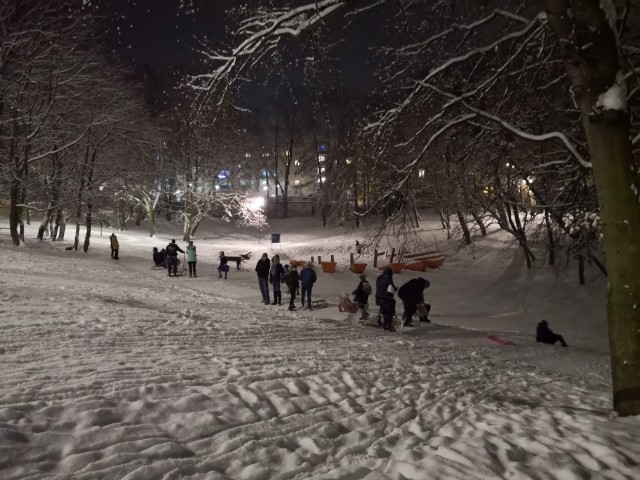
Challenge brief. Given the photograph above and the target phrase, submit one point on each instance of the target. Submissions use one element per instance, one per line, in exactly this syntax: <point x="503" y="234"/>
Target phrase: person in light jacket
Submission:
<point x="192" y="258"/>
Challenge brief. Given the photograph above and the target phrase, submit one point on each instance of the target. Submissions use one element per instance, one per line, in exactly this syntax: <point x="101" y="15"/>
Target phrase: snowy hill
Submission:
<point x="111" y="370"/>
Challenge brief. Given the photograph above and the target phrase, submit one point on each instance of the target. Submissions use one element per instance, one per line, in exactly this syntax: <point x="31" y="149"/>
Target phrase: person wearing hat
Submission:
<point x="361" y="296"/>
<point x="172" y="257"/>
<point x="262" y="269"/>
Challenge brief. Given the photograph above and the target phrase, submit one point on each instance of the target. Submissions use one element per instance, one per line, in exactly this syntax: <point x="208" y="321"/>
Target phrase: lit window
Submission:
<point x="348" y="161"/>
<point x="247" y="155"/>
<point x="297" y="162"/>
<point x="297" y="182"/>
<point x="321" y="158"/>
<point x="421" y="173"/>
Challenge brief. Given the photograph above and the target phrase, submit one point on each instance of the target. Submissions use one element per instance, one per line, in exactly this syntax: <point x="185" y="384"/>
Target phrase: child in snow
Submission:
<point x="545" y="335"/>
<point x="361" y="296"/>
<point x="387" y="310"/>
<point x="222" y="266"/>
<point x="159" y="258"/>
<point x="346" y="305"/>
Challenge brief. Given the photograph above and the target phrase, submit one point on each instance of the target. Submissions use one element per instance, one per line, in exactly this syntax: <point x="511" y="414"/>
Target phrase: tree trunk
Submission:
<point x="89" y="218"/>
<point x="552" y="246"/>
<point x="46" y="220"/>
<point x="480" y="223"/>
<point x="590" y="49"/>
<point x="466" y="235"/>
<point x="151" y="217"/>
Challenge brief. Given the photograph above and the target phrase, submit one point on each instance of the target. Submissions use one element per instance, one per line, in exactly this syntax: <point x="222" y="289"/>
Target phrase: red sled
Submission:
<point x="500" y="340"/>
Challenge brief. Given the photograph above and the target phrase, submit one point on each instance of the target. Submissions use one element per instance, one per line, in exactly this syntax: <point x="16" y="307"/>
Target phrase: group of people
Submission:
<point x="168" y="258"/>
<point x="272" y="272"/>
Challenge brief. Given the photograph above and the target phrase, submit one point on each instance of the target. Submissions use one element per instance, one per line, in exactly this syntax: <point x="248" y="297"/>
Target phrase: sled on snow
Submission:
<point x="500" y="340"/>
<point x="319" y="303"/>
<point x="238" y="258"/>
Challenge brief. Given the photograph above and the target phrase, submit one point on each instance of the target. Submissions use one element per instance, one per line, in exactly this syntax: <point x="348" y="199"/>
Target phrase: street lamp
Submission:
<point x="256" y="205"/>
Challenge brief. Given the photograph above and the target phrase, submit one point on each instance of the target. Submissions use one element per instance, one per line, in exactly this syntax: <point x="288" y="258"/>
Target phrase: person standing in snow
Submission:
<point x="192" y="258"/>
<point x="262" y="269"/>
<point x="291" y="278"/>
<point x="411" y="294"/>
<point x="387" y="310"/>
<point x="115" y="246"/>
<point x="223" y="266"/>
<point x="361" y="296"/>
<point x="383" y="282"/>
<point x="307" y="278"/>
<point x="276" y="277"/>
<point x="172" y="257"/>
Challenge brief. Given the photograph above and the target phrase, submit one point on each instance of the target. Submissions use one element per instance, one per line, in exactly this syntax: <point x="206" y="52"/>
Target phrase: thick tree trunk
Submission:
<point x="151" y="217"/>
<point x="46" y="220"/>
<point x="15" y="212"/>
<point x="589" y="47"/>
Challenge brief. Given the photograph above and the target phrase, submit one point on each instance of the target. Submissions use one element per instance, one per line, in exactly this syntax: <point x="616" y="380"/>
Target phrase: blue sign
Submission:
<point x="275" y="238"/>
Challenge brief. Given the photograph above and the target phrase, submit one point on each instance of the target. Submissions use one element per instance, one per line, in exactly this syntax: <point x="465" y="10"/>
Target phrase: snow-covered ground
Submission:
<point x="111" y="370"/>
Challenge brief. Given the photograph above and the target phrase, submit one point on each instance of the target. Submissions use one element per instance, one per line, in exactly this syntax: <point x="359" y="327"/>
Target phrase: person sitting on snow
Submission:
<point x="346" y="305"/>
<point x="159" y="259"/>
<point x="545" y="335"/>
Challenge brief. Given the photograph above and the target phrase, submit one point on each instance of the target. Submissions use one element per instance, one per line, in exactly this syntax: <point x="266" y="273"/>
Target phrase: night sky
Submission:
<point x="157" y="37"/>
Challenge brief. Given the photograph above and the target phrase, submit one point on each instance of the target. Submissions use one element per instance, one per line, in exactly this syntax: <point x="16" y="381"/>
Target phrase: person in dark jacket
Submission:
<point x="545" y="335"/>
<point x="262" y="269"/>
<point x="383" y="282"/>
<point x="361" y="296"/>
<point x="115" y="246"/>
<point x="307" y="278"/>
<point x="387" y="310"/>
<point x="411" y="294"/>
<point x="291" y="279"/>
<point x="172" y="257"/>
<point x="159" y="258"/>
<point x="276" y="278"/>
<point x="223" y="266"/>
